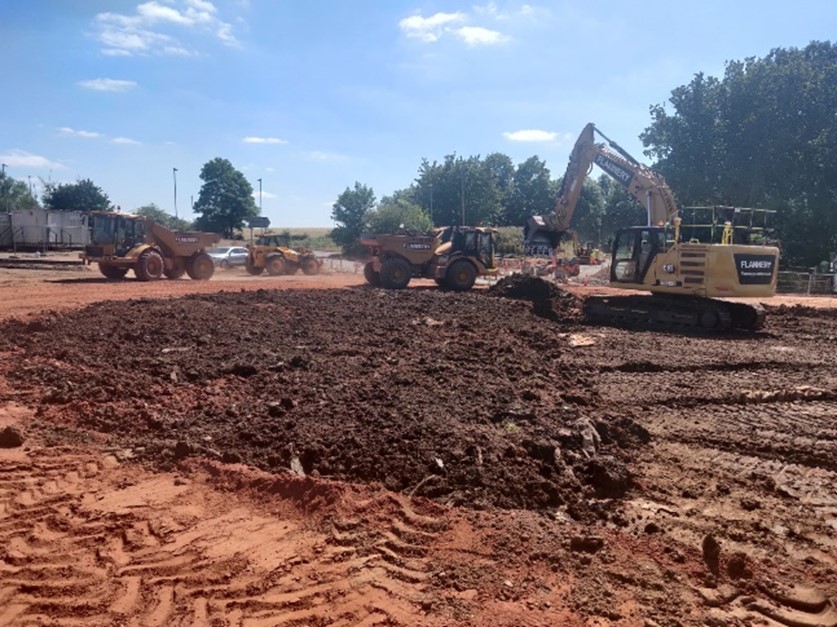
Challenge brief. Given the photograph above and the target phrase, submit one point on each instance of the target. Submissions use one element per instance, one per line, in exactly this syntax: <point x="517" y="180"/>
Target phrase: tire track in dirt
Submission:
<point x="88" y="541"/>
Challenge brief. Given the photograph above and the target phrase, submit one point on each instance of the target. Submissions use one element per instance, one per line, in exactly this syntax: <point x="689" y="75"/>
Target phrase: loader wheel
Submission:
<point x="113" y="273"/>
<point x="395" y="273"/>
<point x="275" y="265"/>
<point x="311" y="266"/>
<point x="252" y="269"/>
<point x="149" y="266"/>
<point x="461" y="275"/>
<point x="177" y="270"/>
<point x="441" y="283"/>
<point x="372" y="277"/>
<point x="200" y="267"/>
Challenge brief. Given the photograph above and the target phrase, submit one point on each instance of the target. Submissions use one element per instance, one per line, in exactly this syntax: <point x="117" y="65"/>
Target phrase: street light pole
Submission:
<point x="431" y="205"/>
<point x="5" y="202"/>
<point x="174" y="174"/>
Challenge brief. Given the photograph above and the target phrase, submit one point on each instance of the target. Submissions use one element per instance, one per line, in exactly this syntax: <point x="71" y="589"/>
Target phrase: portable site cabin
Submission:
<point x="42" y="229"/>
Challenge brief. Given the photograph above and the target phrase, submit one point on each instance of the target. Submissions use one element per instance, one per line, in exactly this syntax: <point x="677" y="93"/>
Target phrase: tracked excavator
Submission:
<point x="690" y="281"/>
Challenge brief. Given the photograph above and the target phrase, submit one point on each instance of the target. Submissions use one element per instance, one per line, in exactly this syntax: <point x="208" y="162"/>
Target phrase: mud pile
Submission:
<point x="459" y="397"/>
<point x="548" y="300"/>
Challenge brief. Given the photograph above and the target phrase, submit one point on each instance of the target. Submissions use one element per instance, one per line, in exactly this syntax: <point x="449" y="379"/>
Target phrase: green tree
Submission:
<point x="83" y="195"/>
<point x="620" y="209"/>
<point x="396" y="211"/>
<point x="350" y="212"/>
<point x="15" y="194"/>
<point x="588" y="219"/>
<point x="225" y="200"/>
<point x="458" y="189"/>
<point x="533" y="193"/>
<point x="161" y="217"/>
<point x="764" y="135"/>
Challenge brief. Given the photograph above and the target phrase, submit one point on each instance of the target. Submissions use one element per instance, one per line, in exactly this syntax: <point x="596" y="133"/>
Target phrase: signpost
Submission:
<point x="258" y="222"/>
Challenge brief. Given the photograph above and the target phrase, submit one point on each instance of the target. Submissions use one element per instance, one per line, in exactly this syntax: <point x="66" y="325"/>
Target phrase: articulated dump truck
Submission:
<point x="121" y="242"/>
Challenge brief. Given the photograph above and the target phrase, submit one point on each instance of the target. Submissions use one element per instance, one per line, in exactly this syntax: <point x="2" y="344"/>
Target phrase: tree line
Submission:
<point x="762" y="135"/>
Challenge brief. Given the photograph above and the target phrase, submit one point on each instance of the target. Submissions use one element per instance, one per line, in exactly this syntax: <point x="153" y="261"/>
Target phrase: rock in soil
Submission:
<point x="11" y="437"/>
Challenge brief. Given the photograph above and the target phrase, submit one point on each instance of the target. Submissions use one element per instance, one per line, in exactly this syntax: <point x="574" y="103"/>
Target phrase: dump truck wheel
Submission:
<point x="200" y="267"/>
<point x="177" y="270"/>
<point x="149" y="266"/>
<point x="114" y="273"/>
<point x="461" y="276"/>
<point x="395" y="273"/>
<point x="372" y="277"/>
<point x="253" y="269"/>
<point x="310" y="266"/>
<point x="275" y="265"/>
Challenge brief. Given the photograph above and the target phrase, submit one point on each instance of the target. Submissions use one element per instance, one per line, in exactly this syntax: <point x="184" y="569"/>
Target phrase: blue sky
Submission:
<point x="313" y="95"/>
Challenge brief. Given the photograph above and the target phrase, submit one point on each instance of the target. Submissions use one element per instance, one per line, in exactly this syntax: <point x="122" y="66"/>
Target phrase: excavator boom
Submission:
<point x="643" y="184"/>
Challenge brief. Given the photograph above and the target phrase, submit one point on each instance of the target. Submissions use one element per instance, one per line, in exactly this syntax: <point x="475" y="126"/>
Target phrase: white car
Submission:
<point x="228" y="256"/>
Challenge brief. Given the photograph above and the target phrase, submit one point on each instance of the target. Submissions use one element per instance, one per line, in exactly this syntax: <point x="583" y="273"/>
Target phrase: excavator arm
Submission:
<point x="643" y="184"/>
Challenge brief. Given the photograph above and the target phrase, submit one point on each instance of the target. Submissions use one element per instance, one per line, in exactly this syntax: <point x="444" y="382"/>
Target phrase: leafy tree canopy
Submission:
<point x="15" y="194"/>
<point x="225" y="200"/>
<point x="764" y="135"/>
<point x="396" y="211"/>
<point x="82" y="195"/>
<point x="350" y="212"/>
<point x="161" y="217"/>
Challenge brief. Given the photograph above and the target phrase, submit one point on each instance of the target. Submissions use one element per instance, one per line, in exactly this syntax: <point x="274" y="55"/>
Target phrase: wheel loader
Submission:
<point x="121" y="242"/>
<point x="453" y="256"/>
<point x="274" y="254"/>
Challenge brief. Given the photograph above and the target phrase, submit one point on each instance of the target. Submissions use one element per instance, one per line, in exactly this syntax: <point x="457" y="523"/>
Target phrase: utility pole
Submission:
<point x="174" y="174"/>
<point x="431" y="205"/>
<point x="260" y="196"/>
<point x="5" y="202"/>
<point x="462" y="194"/>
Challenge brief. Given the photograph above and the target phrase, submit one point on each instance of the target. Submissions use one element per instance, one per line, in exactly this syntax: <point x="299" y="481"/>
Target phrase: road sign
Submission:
<point x="259" y="222"/>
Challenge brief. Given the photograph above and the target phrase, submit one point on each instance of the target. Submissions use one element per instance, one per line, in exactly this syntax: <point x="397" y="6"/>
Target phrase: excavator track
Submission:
<point x="675" y="313"/>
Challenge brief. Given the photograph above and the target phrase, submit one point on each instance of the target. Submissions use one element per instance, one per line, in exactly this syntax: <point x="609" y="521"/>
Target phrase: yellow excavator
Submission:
<point x="689" y="280"/>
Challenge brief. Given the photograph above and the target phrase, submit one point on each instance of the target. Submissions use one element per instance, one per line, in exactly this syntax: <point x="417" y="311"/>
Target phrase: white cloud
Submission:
<point x="265" y="195"/>
<point x="263" y="140"/>
<point x="479" y="36"/>
<point x="146" y="32"/>
<point x="155" y="12"/>
<point x="319" y="155"/>
<point x="71" y="132"/>
<point x="21" y="159"/>
<point x="531" y="135"/>
<point x="107" y="84"/>
<point x="126" y="140"/>
<point x="429" y="29"/>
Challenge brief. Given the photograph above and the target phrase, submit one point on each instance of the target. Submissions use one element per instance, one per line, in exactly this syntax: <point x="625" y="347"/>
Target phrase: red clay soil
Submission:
<point x="578" y="475"/>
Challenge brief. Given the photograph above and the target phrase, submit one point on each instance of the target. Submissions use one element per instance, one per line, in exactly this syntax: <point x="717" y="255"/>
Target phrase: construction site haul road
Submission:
<point x="330" y="453"/>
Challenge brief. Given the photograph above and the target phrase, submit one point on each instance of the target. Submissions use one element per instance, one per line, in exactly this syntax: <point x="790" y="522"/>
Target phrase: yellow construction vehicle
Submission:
<point x="274" y="254"/>
<point x="688" y="279"/>
<point x="121" y="242"/>
<point x="453" y="256"/>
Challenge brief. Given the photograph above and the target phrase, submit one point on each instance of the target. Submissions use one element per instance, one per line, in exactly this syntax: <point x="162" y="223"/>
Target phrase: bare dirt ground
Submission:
<point x="230" y="453"/>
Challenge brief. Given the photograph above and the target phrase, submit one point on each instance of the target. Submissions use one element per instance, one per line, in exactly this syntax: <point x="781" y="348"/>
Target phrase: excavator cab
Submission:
<point x="634" y="251"/>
